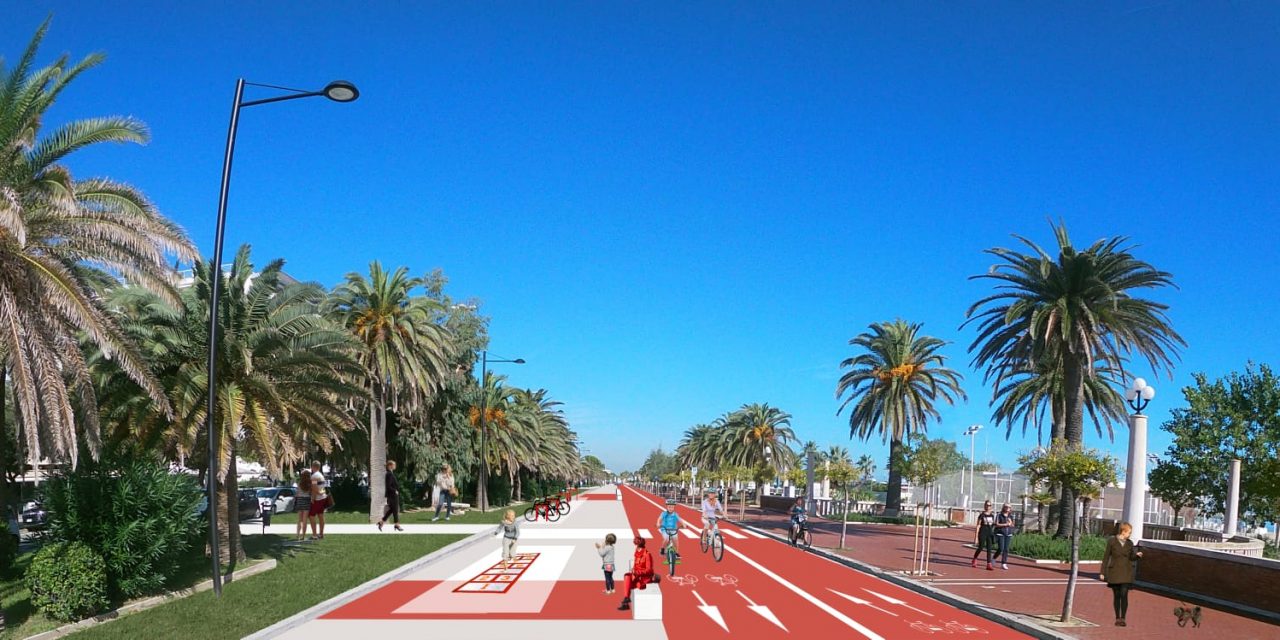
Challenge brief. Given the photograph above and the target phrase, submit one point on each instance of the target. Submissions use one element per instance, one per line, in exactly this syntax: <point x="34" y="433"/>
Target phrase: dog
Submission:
<point x="1185" y="613"/>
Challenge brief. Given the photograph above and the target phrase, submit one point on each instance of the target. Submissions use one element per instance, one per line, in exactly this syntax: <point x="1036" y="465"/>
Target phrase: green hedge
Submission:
<point x="68" y="581"/>
<point x="907" y="520"/>
<point x="1044" y="547"/>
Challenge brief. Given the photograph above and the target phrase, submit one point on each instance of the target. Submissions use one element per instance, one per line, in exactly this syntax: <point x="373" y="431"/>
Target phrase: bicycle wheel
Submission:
<point x="530" y="514"/>
<point x="808" y="538"/>
<point x="705" y="540"/>
<point x="671" y="559"/>
<point x="717" y="546"/>
<point x="563" y="507"/>
<point x="552" y="514"/>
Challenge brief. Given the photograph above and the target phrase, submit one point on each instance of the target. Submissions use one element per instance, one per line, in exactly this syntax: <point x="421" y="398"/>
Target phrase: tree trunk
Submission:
<point x="519" y="488"/>
<point x="229" y="550"/>
<point x="1073" y="405"/>
<point x="4" y="473"/>
<point x="893" y="491"/>
<point x="482" y="485"/>
<point x="1069" y="600"/>
<point x="844" y="516"/>
<point x="377" y="453"/>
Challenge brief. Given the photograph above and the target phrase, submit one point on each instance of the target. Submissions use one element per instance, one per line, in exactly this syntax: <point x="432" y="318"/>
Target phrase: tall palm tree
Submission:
<point x="893" y="384"/>
<point x="1066" y="313"/>
<point x="285" y="375"/>
<point x="698" y="447"/>
<point x="404" y="352"/>
<point x="510" y="430"/>
<point x="555" y="446"/>
<point x="56" y="233"/>
<point x="760" y="435"/>
<point x="866" y="467"/>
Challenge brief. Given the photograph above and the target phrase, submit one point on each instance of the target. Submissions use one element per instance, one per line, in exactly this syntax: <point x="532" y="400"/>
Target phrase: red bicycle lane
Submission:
<point x="781" y="589"/>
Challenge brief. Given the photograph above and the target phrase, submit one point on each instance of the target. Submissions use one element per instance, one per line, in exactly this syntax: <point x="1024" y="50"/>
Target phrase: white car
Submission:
<point x="280" y="499"/>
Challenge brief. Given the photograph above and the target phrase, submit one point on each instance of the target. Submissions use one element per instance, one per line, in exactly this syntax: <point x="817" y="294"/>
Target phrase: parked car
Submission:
<point x="34" y="517"/>
<point x="281" y="498"/>
<point x="249" y="507"/>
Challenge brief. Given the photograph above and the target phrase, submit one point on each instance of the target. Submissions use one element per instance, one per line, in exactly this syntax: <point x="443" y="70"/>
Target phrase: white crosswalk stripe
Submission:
<point x="644" y="533"/>
<point x="688" y="533"/>
<point x="733" y="534"/>
<point x="757" y="535"/>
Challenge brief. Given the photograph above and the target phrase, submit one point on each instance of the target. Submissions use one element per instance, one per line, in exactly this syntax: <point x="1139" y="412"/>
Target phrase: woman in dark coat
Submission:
<point x="986" y="534"/>
<point x="1117" y="569"/>
<point x="392" y="508"/>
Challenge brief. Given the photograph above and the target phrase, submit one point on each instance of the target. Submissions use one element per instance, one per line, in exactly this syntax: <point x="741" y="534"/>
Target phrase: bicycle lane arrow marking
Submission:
<point x="860" y="601"/>
<point x="896" y="601"/>
<point x="712" y="611"/>
<point x="763" y="611"/>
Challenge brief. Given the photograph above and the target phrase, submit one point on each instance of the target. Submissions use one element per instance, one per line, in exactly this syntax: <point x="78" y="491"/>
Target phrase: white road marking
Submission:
<point x="644" y="533"/>
<point x="733" y="534"/>
<point x="860" y="601"/>
<point x="689" y="534"/>
<point x="712" y="612"/>
<point x="850" y="622"/>
<point x="763" y="611"/>
<point x="755" y="534"/>
<point x="892" y="600"/>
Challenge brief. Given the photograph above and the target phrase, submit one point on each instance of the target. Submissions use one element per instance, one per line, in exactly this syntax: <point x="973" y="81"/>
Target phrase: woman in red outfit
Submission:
<point x="641" y="573"/>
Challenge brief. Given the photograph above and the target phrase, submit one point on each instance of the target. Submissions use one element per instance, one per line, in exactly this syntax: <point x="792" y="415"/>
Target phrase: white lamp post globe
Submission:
<point x="1148" y="393"/>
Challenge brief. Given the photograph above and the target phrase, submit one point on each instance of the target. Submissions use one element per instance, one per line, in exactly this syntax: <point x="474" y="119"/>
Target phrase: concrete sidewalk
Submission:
<point x="1026" y="588"/>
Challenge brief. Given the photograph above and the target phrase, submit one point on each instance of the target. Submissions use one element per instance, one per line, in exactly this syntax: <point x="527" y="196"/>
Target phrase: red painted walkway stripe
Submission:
<point x="570" y="600"/>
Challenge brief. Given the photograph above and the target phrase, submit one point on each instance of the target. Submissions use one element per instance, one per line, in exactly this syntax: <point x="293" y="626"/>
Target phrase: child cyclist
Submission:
<point x="669" y="525"/>
<point x="710" y="505"/>
<point x="797" y="514"/>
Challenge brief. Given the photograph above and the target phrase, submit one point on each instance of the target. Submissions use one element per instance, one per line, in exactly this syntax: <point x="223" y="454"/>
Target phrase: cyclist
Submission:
<point x="797" y="515"/>
<point x="710" y="505"/>
<point x="669" y="525"/>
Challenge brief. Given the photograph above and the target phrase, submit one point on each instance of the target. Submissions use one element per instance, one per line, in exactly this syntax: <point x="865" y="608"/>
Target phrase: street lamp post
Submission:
<point x="1135" y="480"/>
<point x="972" y="432"/>
<point x="483" y="487"/>
<point x="338" y="91"/>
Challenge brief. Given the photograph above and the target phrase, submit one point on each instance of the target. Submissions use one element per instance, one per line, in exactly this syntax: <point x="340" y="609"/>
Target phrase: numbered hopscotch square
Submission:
<point x="471" y="587"/>
<point x="495" y="588"/>
<point x="504" y="578"/>
<point x="482" y="579"/>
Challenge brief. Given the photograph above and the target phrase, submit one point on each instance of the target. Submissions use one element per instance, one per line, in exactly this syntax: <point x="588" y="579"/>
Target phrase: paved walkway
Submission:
<point x="1026" y="588"/>
<point x="553" y="589"/>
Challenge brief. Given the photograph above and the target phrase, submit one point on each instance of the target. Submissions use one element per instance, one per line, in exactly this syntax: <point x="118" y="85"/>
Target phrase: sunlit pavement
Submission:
<point x="555" y="589"/>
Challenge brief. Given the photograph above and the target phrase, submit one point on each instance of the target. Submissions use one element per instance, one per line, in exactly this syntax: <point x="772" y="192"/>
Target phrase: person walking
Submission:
<point x="1117" y="569"/>
<point x="510" y="530"/>
<point x="606" y="560"/>
<point x="392" y="508"/>
<point x="446" y="490"/>
<point x="319" y="500"/>
<point x="302" y="502"/>
<point x="1004" y="534"/>
<point x="986" y="535"/>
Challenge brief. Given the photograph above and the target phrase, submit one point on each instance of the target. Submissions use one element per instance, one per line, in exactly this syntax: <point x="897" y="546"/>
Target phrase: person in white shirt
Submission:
<point x="446" y="490"/>
<point x="710" y="505"/>
<point x="319" y="499"/>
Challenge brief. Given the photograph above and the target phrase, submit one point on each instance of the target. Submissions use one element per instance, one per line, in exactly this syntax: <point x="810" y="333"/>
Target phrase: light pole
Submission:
<point x="1135" y="480"/>
<point x="972" y="432"/>
<point x="338" y="91"/>
<point x="482" y="491"/>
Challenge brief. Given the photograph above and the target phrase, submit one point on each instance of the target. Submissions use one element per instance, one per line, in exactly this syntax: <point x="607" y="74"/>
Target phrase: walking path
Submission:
<point x="760" y="588"/>
<point x="1026" y="588"/>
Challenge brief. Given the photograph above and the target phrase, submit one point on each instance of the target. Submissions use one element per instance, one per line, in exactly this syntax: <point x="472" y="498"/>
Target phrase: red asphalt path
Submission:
<point x="780" y="589"/>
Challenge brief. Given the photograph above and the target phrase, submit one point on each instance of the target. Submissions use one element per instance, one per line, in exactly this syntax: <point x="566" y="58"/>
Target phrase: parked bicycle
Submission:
<point x="800" y="533"/>
<point x="711" y="539"/>
<point x="543" y="508"/>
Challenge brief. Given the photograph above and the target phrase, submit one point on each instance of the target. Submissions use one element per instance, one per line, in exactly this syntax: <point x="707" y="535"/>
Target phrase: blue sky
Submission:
<point x="671" y="210"/>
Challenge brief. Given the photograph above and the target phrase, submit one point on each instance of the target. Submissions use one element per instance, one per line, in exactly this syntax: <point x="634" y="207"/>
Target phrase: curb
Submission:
<point x="151" y="602"/>
<point x="1042" y="560"/>
<point x="307" y="615"/>
<point x="976" y="608"/>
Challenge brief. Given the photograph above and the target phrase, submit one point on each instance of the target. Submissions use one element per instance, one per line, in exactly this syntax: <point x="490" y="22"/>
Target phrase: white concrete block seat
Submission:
<point x="646" y="603"/>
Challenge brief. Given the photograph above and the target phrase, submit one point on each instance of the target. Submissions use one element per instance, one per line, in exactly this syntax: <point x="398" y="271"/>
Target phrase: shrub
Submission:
<point x="141" y="518"/>
<point x="68" y="581"/>
<point x="1043" y="547"/>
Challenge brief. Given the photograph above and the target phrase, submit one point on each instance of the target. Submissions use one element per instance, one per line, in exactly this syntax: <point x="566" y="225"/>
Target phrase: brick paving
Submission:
<point x="1025" y="588"/>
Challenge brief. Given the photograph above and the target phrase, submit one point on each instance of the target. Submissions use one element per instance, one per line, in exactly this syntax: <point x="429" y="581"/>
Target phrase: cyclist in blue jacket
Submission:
<point x="668" y="526"/>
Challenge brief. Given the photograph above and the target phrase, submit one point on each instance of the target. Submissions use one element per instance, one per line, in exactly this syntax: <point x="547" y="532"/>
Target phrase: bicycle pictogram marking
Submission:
<point x="684" y="581"/>
<point x="726" y="580"/>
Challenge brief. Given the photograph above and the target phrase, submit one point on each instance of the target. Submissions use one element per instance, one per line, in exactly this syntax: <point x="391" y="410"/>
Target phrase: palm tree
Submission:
<point x="404" y="352"/>
<point x="284" y="375"/>
<point x="1064" y="315"/>
<point x="57" y="234"/>
<point x="760" y="435"/>
<point x="511" y="430"/>
<point x="866" y="467"/>
<point x="699" y="447"/>
<point x="893" y="385"/>
<point x="555" y="451"/>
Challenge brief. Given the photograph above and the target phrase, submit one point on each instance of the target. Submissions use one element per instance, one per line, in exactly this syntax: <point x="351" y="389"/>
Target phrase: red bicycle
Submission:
<point x="546" y="508"/>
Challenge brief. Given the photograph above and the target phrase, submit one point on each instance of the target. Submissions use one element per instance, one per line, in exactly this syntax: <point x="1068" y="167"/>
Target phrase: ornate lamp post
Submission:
<point x="972" y="432"/>
<point x="1135" y="482"/>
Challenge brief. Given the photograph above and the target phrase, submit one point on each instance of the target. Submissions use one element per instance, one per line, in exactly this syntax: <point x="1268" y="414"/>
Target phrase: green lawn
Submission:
<point x="307" y="574"/>
<point x="359" y="515"/>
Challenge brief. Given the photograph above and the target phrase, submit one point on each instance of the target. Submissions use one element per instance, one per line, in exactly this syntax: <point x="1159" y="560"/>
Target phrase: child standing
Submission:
<point x="510" y="530"/>
<point x="606" y="560"/>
